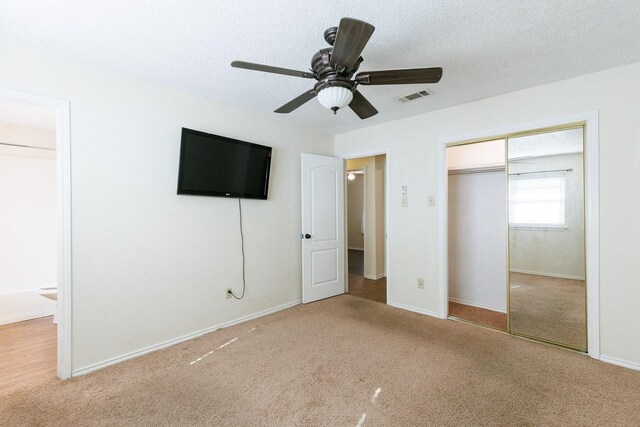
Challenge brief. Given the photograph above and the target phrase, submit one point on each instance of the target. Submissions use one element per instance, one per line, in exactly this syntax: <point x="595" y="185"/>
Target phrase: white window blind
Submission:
<point x="537" y="201"/>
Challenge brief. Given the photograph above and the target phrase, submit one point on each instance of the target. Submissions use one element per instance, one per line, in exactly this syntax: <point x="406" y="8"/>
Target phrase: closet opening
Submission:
<point x="518" y="232"/>
<point x="477" y="233"/>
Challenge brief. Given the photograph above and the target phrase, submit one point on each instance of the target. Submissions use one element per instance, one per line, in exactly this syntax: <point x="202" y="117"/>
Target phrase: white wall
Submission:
<point x="148" y="265"/>
<point x="553" y="252"/>
<point x="28" y="221"/>
<point x="414" y="145"/>
<point x="355" y="212"/>
<point x="478" y="240"/>
<point x="28" y="135"/>
<point x="484" y="155"/>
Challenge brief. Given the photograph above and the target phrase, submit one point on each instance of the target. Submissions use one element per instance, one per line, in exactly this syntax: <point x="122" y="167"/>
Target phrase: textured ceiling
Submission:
<point x="485" y="47"/>
<point x="546" y="144"/>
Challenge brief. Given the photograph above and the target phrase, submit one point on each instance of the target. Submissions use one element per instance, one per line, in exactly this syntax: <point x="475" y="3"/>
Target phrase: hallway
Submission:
<point x="359" y="286"/>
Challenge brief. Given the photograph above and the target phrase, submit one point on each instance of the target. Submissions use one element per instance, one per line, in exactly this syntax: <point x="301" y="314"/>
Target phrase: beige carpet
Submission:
<point x="322" y="363"/>
<point x="550" y="308"/>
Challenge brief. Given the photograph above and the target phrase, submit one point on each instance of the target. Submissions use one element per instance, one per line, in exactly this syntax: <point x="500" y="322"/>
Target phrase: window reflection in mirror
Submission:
<point x="547" y="289"/>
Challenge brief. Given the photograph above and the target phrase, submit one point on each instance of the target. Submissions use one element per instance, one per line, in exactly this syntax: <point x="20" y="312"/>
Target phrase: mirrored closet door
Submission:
<point x="547" y="289"/>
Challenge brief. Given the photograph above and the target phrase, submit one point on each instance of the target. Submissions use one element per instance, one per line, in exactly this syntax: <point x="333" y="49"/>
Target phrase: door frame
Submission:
<point x="387" y="209"/>
<point x="63" y="197"/>
<point x="591" y="183"/>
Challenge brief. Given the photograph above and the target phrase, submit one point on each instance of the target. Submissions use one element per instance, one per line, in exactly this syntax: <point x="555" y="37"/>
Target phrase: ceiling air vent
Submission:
<point x="414" y="96"/>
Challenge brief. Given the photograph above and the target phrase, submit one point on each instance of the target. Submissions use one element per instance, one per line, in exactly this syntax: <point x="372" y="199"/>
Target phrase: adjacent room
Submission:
<point x="29" y="261"/>
<point x="366" y="235"/>
<point x="347" y="213"/>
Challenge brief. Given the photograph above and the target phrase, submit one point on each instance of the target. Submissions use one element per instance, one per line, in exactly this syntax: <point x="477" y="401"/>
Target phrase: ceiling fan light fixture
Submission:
<point x="335" y="97"/>
<point x="335" y="69"/>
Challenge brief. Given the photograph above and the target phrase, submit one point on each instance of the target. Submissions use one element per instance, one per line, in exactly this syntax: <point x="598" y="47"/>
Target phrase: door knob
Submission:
<point x="307" y="236"/>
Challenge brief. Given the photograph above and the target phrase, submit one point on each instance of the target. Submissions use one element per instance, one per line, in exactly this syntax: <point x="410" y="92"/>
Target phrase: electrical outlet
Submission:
<point x="229" y="290"/>
<point x="420" y="283"/>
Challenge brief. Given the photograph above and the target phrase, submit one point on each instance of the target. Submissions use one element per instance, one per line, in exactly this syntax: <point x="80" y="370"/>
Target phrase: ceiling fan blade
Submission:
<point x="351" y="39"/>
<point x="361" y="106"/>
<point x="296" y="102"/>
<point x="400" y="77"/>
<point x="270" y="69"/>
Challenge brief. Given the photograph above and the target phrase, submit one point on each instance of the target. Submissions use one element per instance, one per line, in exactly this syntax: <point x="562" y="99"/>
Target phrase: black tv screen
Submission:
<point x="213" y="165"/>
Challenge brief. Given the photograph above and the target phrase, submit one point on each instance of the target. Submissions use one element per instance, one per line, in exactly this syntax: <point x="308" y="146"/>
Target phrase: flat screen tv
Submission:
<point x="213" y="165"/>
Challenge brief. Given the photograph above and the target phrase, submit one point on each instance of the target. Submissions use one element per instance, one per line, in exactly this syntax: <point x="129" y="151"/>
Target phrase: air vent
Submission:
<point x="414" y="96"/>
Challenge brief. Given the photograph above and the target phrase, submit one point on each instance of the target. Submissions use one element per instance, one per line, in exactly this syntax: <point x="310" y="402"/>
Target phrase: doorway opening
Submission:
<point x="35" y="222"/>
<point x="29" y="226"/>
<point x="366" y="227"/>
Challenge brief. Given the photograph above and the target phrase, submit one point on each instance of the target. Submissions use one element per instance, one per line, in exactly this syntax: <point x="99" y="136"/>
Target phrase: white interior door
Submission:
<point x="322" y="227"/>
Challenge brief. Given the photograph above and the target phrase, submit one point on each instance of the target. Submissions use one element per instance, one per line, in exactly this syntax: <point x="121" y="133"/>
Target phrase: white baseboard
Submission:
<point x="378" y="277"/>
<point x="620" y="362"/>
<point x="169" y="343"/>
<point x="475" y="304"/>
<point x="415" y="309"/>
<point x="24" y="305"/>
<point x="538" y="273"/>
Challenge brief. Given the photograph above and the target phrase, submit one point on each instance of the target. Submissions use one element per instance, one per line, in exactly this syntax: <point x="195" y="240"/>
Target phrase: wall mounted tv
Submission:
<point x="212" y="165"/>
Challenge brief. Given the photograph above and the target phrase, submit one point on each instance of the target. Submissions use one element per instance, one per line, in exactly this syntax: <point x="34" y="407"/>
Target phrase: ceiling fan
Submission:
<point x="334" y="69"/>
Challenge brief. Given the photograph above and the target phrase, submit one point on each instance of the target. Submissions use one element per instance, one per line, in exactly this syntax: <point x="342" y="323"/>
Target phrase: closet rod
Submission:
<point x="553" y="170"/>
<point x="27" y="146"/>
<point x="470" y="171"/>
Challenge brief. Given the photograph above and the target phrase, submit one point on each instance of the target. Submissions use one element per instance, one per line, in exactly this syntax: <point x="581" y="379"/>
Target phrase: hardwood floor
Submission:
<point x="490" y="318"/>
<point x="356" y="262"/>
<point x="27" y="353"/>
<point x="374" y="290"/>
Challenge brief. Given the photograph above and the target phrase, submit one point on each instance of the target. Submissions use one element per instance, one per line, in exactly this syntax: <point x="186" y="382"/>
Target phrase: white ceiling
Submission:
<point x="27" y="115"/>
<point x="485" y="47"/>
